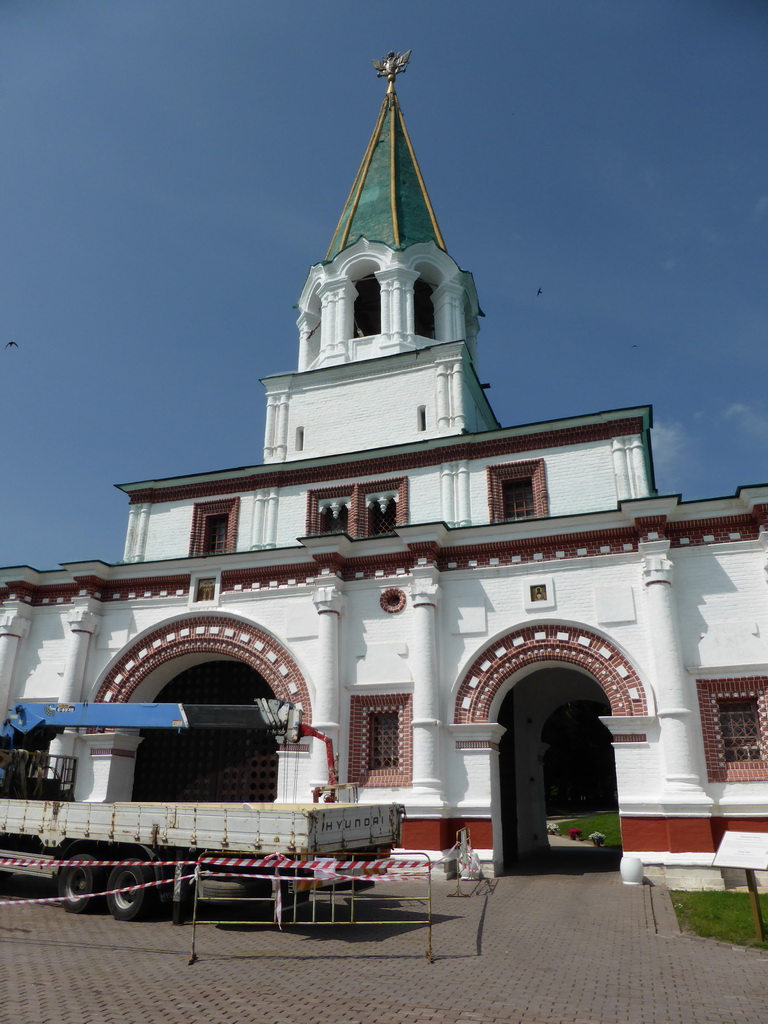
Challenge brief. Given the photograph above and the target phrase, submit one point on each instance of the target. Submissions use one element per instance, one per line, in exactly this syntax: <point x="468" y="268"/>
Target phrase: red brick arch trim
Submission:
<point x="551" y="642"/>
<point x="208" y="634"/>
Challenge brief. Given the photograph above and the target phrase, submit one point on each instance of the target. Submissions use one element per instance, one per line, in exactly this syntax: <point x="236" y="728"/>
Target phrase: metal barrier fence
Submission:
<point x="328" y="891"/>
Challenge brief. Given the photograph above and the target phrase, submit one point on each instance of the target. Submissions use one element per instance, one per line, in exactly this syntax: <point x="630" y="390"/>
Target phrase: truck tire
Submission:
<point x="76" y="882"/>
<point x="131" y="906"/>
<point x="221" y="890"/>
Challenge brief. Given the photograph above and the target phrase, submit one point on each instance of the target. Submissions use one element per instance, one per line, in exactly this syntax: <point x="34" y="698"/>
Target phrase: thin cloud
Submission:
<point x="750" y="419"/>
<point x="671" y="446"/>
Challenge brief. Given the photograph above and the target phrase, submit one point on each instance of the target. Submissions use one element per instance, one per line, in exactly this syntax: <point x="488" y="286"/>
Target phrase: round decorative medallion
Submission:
<point x="392" y="600"/>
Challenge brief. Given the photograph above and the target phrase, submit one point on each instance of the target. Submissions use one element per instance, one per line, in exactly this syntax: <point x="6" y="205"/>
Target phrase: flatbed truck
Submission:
<point x="141" y="842"/>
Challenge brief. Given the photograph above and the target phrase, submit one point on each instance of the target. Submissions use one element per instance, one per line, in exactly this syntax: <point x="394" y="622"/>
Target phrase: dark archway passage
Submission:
<point x="579" y="764"/>
<point x="508" y="780"/>
<point x="219" y="765"/>
<point x="553" y="743"/>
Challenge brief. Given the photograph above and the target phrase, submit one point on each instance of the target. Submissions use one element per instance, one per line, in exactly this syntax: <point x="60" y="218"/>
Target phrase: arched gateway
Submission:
<point x="549" y="642"/>
<point x="201" y="659"/>
<point x="510" y="689"/>
<point x="204" y="635"/>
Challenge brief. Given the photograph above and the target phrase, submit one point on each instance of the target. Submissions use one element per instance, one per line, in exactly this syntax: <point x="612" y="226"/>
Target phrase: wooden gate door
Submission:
<point x="218" y="765"/>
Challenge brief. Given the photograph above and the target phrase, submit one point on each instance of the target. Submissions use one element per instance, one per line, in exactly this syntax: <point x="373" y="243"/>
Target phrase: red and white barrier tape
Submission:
<point x="9" y="863"/>
<point x="325" y="869"/>
<point x="95" y="895"/>
<point x="273" y="860"/>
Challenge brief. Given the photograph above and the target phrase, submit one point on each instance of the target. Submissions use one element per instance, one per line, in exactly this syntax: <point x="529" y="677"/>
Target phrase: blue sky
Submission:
<point x="171" y="168"/>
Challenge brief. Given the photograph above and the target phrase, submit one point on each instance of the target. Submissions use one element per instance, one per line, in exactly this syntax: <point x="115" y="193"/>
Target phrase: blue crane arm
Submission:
<point x="280" y="718"/>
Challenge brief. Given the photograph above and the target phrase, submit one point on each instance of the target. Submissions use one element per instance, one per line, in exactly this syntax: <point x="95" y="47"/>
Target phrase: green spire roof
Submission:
<point x="388" y="202"/>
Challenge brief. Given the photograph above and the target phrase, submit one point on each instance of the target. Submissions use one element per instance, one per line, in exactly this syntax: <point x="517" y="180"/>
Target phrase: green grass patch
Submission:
<point x="608" y="824"/>
<point x="725" y="916"/>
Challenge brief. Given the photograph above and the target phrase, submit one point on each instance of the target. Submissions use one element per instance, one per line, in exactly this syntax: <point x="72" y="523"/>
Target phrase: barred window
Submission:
<point x="740" y="729"/>
<point x="216" y="534"/>
<point x="385" y="740"/>
<point x="334" y="518"/>
<point x="517" y="490"/>
<point x="382" y="516"/>
<point x="517" y="496"/>
<point x="214" y="526"/>
<point x="371" y="509"/>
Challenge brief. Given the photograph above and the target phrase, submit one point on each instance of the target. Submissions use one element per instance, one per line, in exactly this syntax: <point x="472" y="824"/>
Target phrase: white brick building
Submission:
<point x="428" y="585"/>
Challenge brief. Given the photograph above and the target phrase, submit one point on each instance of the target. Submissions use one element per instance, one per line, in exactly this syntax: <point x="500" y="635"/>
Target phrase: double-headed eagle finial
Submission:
<point x="391" y="66"/>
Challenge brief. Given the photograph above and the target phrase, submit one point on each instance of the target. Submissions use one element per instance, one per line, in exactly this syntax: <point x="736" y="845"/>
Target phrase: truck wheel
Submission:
<point x="76" y="882"/>
<point x="136" y="905"/>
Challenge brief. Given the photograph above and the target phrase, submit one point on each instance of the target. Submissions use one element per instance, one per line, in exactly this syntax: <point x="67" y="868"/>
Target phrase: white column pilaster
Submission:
<point x="326" y="708"/>
<point x="463" y="515"/>
<point x="396" y="308"/>
<point x="14" y="626"/>
<point x="281" y="429"/>
<point x="310" y="338"/>
<point x="427" y="784"/>
<point x="130" y="536"/>
<point x="620" y="469"/>
<point x="257" y="525"/>
<point x="458" y="419"/>
<point x="637" y="467"/>
<point x="447" y="302"/>
<point x="443" y="398"/>
<point x="142" y="528"/>
<point x="83" y="624"/>
<point x="269" y="537"/>
<point x="269" y="429"/>
<point x="679" y="743"/>
<point x="448" y="508"/>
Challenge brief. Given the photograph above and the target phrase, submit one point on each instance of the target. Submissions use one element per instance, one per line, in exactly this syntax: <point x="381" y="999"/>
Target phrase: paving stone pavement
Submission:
<point x="561" y="941"/>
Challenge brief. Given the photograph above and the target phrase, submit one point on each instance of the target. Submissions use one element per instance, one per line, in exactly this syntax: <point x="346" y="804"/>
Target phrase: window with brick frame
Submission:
<point x="740" y="730"/>
<point x="734" y="720"/>
<point x="517" y="490"/>
<point x="380" y="751"/>
<point x="334" y="516"/>
<point x="382" y="514"/>
<point x="370" y="509"/>
<point x="214" y="527"/>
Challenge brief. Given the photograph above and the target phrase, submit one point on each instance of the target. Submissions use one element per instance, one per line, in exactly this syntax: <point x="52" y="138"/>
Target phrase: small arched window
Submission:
<point x="421" y="418"/>
<point x="382" y="516"/>
<point x="334" y="518"/>
<point x="367" y="307"/>
<point x="423" y="310"/>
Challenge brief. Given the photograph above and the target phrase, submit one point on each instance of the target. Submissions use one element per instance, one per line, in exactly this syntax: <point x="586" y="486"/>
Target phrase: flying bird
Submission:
<point x="11" y="343"/>
<point x="538" y="293"/>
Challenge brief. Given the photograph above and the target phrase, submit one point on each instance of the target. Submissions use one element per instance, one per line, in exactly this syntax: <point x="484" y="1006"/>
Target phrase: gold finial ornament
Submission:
<point x="392" y="65"/>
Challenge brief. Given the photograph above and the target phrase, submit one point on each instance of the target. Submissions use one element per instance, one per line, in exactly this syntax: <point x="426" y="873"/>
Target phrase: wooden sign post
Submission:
<point x="747" y="850"/>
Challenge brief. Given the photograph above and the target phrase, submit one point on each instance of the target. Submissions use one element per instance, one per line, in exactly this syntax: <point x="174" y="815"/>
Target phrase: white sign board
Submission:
<point x="743" y="850"/>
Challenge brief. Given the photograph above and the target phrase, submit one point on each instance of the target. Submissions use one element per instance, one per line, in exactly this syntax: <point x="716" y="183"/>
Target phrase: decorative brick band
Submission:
<point x="116" y="752"/>
<point x="549" y="642"/>
<point x="476" y="745"/>
<point x="274" y="577"/>
<point x="486" y="448"/>
<point x="631" y="737"/>
<point x="208" y="634"/>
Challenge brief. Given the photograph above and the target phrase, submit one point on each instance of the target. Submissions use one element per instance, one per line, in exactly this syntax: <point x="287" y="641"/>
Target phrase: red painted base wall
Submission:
<point x="440" y="834"/>
<point x="672" y="835"/>
<point x="683" y="835"/>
